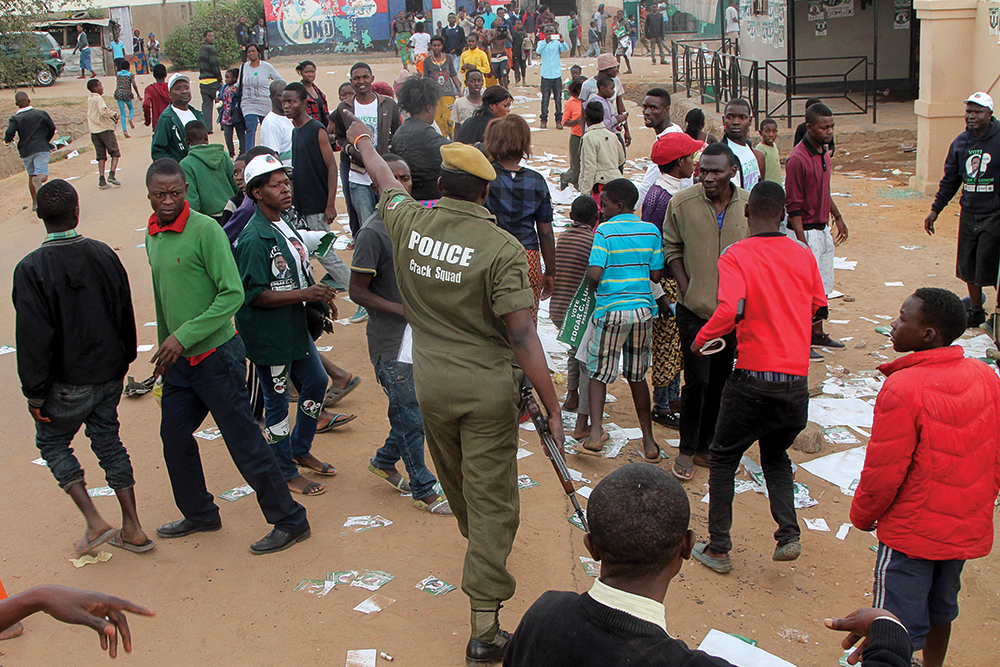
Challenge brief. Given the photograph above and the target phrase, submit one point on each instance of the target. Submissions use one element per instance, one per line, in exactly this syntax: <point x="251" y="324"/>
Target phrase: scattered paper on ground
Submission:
<point x="841" y="469"/>
<point x="591" y="566"/>
<point x="895" y="283"/>
<point x="100" y="491"/>
<point x="975" y="348"/>
<point x="585" y="491"/>
<point x="372" y="580"/>
<point x="87" y="559"/>
<point x="361" y="658"/>
<point x="40" y="462"/>
<point x="829" y="412"/>
<point x="817" y="524"/>
<point x="374" y="604"/>
<point x="366" y="522"/>
<point x="434" y="586"/>
<point x="232" y="495"/>
<point x="839" y="435"/>
<point x="144" y="348"/>
<point x="844" y="529"/>
<point x="525" y="482"/>
<point x="522" y="452"/>
<point x="211" y="433"/>
<point x="844" y="263"/>
<point x="738" y="652"/>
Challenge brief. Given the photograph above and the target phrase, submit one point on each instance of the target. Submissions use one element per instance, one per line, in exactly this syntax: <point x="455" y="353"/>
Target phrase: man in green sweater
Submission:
<point x="208" y="171"/>
<point x="197" y="290"/>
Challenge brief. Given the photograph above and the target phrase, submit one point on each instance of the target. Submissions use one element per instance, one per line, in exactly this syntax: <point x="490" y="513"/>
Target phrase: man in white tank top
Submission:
<point x="737" y="120"/>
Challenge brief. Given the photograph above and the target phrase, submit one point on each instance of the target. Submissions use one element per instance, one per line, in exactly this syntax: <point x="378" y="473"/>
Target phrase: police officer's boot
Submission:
<point x="488" y="641"/>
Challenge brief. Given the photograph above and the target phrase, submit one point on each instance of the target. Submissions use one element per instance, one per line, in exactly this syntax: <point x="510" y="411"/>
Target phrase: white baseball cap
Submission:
<point x="174" y="78"/>
<point x="262" y="164"/>
<point x="982" y="99"/>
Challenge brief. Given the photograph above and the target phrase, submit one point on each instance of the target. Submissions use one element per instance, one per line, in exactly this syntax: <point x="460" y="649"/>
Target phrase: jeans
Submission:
<point x="572" y="175"/>
<point x="208" y="95"/>
<point x="753" y="410"/>
<point x="68" y="407"/>
<point x="310" y="380"/>
<point x="241" y="136"/>
<point x="593" y="50"/>
<point x="352" y="218"/>
<point x="518" y="67"/>
<point x="664" y="396"/>
<point x="363" y="200"/>
<point x="252" y="120"/>
<point x="218" y="385"/>
<point x="704" y="380"/>
<point x="335" y="267"/>
<point x="122" y="105"/>
<point x="406" y="427"/>
<point x="552" y="87"/>
<point x="572" y="44"/>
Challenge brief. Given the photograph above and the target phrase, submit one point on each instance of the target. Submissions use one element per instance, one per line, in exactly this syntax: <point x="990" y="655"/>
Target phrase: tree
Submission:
<point x="183" y="42"/>
<point x="20" y="55"/>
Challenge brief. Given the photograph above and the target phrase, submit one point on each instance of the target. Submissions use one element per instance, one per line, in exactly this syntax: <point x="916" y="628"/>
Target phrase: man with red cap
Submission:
<point x="673" y="159"/>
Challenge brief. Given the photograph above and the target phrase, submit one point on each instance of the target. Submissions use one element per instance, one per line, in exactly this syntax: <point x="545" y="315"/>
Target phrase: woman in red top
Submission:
<point x="316" y="105"/>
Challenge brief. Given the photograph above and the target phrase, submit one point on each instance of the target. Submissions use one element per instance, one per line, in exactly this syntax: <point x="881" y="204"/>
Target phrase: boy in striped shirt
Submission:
<point x="627" y="255"/>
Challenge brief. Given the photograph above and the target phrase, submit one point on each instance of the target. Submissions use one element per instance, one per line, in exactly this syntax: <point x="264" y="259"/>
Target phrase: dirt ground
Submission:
<point x="216" y="603"/>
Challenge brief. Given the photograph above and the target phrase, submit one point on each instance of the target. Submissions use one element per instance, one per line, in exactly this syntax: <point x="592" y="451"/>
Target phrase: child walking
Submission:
<point x="572" y="259"/>
<point x="573" y="119"/>
<point x="932" y="470"/>
<point x="124" y="86"/>
<point x="102" y="122"/>
<point x="228" y="119"/>
<point x="772" y="160"/>
<point x="602" y="155"/>
<point x="627" y="255"/>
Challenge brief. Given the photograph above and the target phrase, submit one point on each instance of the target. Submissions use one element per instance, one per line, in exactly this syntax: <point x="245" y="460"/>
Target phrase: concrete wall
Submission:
<point x="764" y="37"/>
<point x="160" y="19"/>
<point x="958" y="56"/>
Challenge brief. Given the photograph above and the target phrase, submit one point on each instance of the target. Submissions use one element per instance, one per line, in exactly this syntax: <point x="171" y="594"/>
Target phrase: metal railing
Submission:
<point x="714" y="74"/>
<point x="841" y="77"/>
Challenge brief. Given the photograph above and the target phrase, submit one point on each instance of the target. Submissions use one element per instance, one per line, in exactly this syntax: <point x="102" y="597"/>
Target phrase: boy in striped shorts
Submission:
<point x="627" y="255"/>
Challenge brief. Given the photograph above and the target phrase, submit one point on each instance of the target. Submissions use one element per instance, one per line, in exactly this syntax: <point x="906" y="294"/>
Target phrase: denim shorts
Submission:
<point x="921" y="593"/>
<point x="37" y="164"/>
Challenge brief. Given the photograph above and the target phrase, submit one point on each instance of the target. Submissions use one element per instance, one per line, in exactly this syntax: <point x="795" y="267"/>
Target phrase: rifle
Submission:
<point x="551" y="448"/>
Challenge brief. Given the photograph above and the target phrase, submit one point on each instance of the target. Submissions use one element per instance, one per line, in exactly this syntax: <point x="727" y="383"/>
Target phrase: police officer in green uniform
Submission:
<point x="465" y="290"/>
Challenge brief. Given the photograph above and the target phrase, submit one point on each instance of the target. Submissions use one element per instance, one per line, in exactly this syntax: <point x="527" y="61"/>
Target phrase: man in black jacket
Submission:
<point x="654" y="33"/>
<point x="639" y="533"/>
<point x="973" y="164"/>
<point x="243" y="36"/>
<point x="75" y="341"/>
<point x="209" y="77"/>
<point x="34" y="130"/>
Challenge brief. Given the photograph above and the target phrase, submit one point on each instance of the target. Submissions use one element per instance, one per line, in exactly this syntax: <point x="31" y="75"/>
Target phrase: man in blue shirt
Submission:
<point x="488" y="16"/>
<point x="626" y="256"/>
<point x="117" y="49"/>
<point x="549" y="51"/>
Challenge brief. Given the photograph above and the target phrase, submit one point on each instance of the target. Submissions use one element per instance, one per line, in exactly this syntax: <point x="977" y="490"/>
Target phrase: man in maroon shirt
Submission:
<point x="807" y="179"/>
<point x="769" y="289"/>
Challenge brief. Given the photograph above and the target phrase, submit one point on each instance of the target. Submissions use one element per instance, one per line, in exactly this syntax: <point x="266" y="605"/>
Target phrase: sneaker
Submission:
<point x="103" y="184"/>
<point x="559" y="125"/>
<point x="544" y="125"/>
<point x="113" y="181"/>
<point x="789" y="551"/>
<point x="814" y="355"/>
<point x="824" y="340"/>
<point x="668" y="419"/>
<point x="360" y="316"/>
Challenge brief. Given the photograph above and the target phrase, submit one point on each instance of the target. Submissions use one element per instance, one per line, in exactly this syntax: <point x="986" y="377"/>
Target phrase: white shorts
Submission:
<point x="821" y="243"/>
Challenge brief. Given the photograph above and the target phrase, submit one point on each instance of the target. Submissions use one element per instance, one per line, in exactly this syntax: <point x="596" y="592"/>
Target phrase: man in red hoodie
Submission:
<point x="770" y="290"/>
<point x="155" y="96"/>
<point x="932" y="470"/>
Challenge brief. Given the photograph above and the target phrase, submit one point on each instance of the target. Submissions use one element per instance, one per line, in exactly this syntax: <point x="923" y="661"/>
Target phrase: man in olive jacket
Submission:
<point x="168" y="137"/>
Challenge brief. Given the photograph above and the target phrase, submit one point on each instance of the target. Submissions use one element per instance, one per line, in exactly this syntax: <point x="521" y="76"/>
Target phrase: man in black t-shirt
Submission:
<point x="373" y="287"/>
<point x="313" y="164"/>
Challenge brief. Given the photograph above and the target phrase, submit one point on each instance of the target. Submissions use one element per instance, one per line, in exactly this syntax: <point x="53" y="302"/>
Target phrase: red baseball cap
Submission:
<point x="674" y="146"/>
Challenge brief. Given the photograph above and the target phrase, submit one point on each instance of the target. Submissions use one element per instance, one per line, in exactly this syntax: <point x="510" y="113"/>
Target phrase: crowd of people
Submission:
<point x="710" y="275"/>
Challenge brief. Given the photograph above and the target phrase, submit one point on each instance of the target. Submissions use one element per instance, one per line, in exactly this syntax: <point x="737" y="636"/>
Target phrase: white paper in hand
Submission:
<point x="406" y="347"/>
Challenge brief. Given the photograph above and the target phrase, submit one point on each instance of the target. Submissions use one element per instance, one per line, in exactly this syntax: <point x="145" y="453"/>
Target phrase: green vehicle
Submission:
<point x="32" y="55"/>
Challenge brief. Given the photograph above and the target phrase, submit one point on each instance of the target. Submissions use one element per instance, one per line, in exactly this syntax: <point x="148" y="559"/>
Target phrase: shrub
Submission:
<point x="182" y="44"/>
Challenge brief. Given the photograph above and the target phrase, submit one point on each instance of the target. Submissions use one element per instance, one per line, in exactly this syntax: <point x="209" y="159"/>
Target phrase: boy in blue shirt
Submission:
<point x="627" y="255"/>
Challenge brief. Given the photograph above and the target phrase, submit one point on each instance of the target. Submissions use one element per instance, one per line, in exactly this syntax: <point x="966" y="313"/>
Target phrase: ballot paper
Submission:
<point x="232" y="495"/>
<point x="975" y="348"/>
<point x="828" y="412"/>
<point x="844" y="529"/>
<point x="100" y="491"/>
<point x="374" y="604"/>
<point x="738" y="652"/>
<point x="361" y="658"/>
<point x="434" y="586"/>
<point x="844" y="263"/>
<point x="817" y="525"/>
<point x="372" y="580"/>
<point x="842" y="469"/>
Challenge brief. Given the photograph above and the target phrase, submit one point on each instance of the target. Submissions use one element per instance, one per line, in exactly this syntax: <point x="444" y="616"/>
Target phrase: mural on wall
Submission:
<point x="351" y="25"/>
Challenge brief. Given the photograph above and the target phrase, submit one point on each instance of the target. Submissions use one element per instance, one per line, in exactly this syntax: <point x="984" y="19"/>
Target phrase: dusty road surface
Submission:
<point x="217" y="604"/>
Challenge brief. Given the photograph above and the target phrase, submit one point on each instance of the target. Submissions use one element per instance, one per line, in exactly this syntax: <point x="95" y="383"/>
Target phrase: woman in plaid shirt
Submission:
<point x="520" y="200"/>
<point x="316" y="105"/>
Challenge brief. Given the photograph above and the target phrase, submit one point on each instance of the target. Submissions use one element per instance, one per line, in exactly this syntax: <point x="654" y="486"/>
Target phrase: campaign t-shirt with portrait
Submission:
<point x="367" y="114"/>
<point x="282" y="277"/>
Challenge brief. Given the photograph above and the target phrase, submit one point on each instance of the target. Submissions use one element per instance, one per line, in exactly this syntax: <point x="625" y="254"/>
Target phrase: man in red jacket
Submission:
<point x="156" y="96"/>
<point x="776" y="281"/>
<point x="932" y="470"/>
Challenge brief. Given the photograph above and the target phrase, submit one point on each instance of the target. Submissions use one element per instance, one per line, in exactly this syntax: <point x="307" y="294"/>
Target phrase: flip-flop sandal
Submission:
<point x="439" y="506"/>
<point x="579" y="448"/>
<point x="313" y="489"/>
<point x="679" y="474"/>
<point x="721" y="565"/>
<point x="118" y="541"/>
<point x="393" y="479"/>
<point x="645" y="458"/>
<point x="325" y="469"/>
<point x="334" y="395"/>
<point x="87" y="547"/>
<point x="337" y="422"/>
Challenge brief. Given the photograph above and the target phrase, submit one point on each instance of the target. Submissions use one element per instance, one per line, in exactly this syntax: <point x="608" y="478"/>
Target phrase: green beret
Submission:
<point x="462" y="158"/>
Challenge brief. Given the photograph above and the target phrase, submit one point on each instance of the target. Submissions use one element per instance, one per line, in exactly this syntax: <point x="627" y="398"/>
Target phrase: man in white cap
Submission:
<point x="168" y="137"/>
<point x="973" y="164"/>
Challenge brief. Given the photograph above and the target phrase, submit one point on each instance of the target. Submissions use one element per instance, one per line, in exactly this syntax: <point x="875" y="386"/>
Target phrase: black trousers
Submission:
<point x="704" y="380"/>
<point x="771" y="413"/>
<point x="208" y="95"/>
<point x="218" y="385"/>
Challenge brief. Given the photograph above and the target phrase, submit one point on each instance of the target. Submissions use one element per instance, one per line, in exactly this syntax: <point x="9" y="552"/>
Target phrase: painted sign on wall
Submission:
<point x="350" y="24"/>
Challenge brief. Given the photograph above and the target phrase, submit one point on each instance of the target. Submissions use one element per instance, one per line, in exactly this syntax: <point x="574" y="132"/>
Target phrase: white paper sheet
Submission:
<point x="845" y="528"/>
<point x="738" y="652"/>
<point x="361" y="658"/>
<point x="841" y="412"/>
<point x="817" y="524"/>
<point x="842" y="469"/>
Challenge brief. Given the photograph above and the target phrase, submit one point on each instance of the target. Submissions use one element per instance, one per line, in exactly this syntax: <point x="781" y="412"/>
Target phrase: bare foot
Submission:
<point x="683" y="467"/>
<point x="572" y="401"/>
<point x="13" y="631"/>
<point x="130" y="124"/>
<point x="650" y="450"/>
<point x="128" y="136"/>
